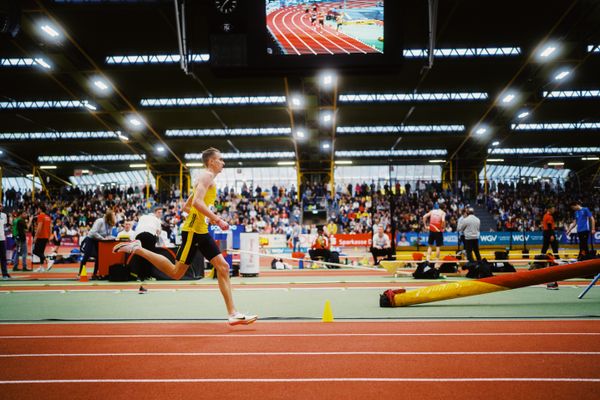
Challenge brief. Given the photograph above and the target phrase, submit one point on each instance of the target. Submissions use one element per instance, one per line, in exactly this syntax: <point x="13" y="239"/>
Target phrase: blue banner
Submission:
<point x="490" y="238"/>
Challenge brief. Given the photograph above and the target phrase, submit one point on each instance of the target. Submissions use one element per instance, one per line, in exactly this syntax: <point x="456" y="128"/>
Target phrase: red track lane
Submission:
<point x="526" y="336"/>
<point x="271" y="344"/>
<point x="291" y="28"/>
<point x="300" y="366"/>
<point x="295" y="328"/>
<point x="267" y="391"/>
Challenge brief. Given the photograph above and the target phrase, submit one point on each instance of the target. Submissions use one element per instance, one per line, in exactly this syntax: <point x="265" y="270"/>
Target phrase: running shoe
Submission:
<point x="142" y="290"/>
<point x="552" y="286"/>
<point x="50" y="264"/>
<point x="242" y="319"/>
<point x="127" y="247"/>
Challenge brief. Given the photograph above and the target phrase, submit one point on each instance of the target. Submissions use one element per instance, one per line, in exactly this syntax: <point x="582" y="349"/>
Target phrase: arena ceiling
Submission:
<point x="438" y="108"/>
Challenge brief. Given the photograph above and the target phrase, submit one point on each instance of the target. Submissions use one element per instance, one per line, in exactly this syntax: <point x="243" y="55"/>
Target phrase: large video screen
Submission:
<point x="324" y="27"/>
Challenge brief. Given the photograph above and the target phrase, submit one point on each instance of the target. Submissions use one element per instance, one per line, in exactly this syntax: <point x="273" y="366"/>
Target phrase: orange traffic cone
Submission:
<point x="83" y="277"/>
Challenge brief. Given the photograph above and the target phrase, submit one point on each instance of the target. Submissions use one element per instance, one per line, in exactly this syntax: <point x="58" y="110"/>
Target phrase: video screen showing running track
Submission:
<point x="324" y="27"/>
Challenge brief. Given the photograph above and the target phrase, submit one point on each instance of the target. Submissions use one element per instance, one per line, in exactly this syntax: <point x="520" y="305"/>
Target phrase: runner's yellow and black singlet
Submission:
<point x="196" y="221"/>
<point x="194" y="233"/>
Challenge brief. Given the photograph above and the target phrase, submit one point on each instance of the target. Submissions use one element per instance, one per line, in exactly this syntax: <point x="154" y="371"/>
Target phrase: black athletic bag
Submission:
<point x="477" y="270"/>
<point x="426" y="270"/>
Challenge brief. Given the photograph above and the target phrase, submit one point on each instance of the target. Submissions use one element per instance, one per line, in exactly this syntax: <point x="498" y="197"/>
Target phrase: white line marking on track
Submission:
<point x="312" y="353"/>
<point x="262" y="335"/>
<point x="292" y="380"/>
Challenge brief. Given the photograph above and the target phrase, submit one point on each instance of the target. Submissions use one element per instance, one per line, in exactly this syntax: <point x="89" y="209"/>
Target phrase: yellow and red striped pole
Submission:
<point x="492" y="284"/>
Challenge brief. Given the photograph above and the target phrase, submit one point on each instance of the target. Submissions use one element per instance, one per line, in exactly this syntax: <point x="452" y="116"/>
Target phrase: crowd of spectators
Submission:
<point x="521" y="206"/>
<point x="350" y="209"/>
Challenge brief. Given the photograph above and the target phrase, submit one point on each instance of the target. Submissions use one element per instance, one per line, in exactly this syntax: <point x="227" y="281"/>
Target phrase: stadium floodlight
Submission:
<point x="300" y="134"/>
<point x="325" y="145"/>
<point x="496" y="143"/>
<point x="437" y="161"/>
<point x="286" y="163"/>
<point x="562" y="74"/>
<point x="50" y="31"/>
<point x="137" y="165"/>
<point x="480" y="130"/>
<point x="326" y="118"/>
<point x="547" y="51"/>
<point x="343" y="162"/>
<point x="48" y="167"/>
<point x="495" y="160"/>
<point x="508" y="98"/>
<point x="556" y="163"/>
<point x="523" y="114"/>
<point x="296" y="101"/>
<point x="194" y="164"/>
<point x="135" y="122"/>
<point x="327" y="79"/>
<point x="590" y="158"/>
<point x="160" y="148"/>
<point x="100" y="85"/>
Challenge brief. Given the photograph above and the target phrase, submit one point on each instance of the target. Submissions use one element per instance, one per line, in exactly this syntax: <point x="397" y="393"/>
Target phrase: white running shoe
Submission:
<point x="241" y="319"/>
<point x="127" y="247"/>
<point x="50" y="264"/>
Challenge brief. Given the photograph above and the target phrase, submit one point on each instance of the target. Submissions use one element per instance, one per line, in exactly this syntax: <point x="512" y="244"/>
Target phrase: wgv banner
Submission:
<point x="490" y="238"/>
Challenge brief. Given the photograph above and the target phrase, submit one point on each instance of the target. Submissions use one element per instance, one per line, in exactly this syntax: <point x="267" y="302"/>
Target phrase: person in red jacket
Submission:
<point x="320" y="246"/>
<point x="42" y="235"/>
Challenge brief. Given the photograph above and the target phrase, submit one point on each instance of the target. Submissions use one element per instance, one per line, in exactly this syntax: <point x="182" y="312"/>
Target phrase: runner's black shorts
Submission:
<point x="437" y="238"/>
<point x="192" y="242"/>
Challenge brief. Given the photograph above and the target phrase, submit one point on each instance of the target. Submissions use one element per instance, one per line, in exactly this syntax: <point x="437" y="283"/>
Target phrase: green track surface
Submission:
<point x="291" y="302"/>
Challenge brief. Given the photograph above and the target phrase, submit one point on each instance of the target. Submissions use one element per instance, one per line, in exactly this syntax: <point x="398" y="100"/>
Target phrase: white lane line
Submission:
<point x="262" y="335"/>
<point x="311" y="353"/>
<point x="284" y="37"/>
<point x="341" y="39"/>
<point x="292" y="380"/>
<point x="290" y="30"/>
<point x="307" y="34"/>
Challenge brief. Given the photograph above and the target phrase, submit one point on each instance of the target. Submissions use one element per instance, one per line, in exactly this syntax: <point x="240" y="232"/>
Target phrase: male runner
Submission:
<point x="195" y="237"/>
<point x="437" y="224"/>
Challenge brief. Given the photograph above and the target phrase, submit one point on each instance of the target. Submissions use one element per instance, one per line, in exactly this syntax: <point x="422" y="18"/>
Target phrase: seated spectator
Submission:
<point x="127" y="233"/>
<point x="382" y="246"/>
<point x="320" y="247"/>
